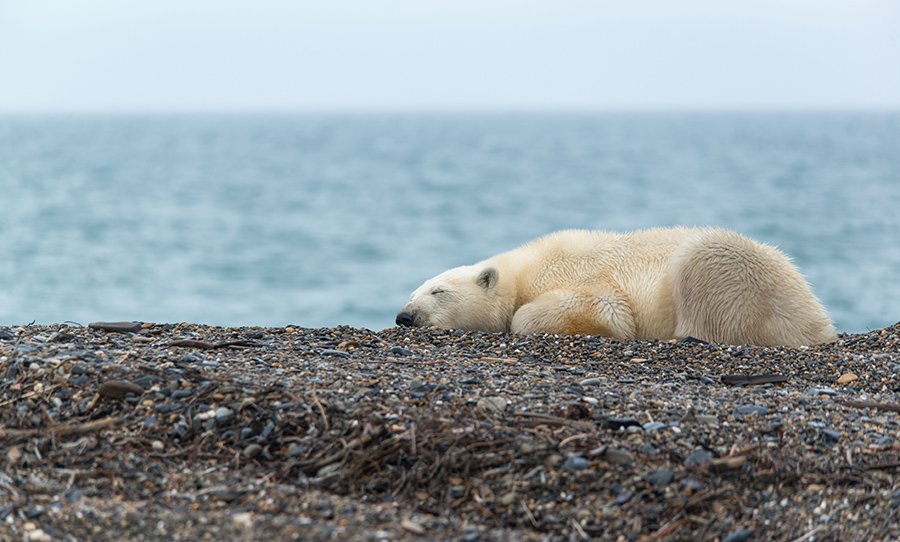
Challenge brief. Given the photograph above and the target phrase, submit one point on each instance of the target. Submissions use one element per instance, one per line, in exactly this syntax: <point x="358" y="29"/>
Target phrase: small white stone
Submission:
<point x="242" y="520"/>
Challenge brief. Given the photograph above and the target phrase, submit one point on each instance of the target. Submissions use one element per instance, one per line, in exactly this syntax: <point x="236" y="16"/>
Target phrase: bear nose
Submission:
<point x="406" y="319"/>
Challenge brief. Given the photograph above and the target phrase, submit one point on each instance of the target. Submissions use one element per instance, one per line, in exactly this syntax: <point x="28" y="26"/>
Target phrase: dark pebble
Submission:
<point x="150" y="421"/>
<point x="400" y="351"/>
<point x="145" y="381"/>
<point x="661" y="478"/>
<point x="182" y="393"/>
<point x="191" y="358"/>
<point x="698" y="457"/>
<point x="165" y="408"/>
<point x="620" y="423"/>
<point x="118" y="389"/>
<point x="333" y="352"/>
<point x="7" y="336"/>
<point x="223" y="414"/>
<point x="745" y="411"/>
<point x="575" y="463"/>
<point x="831" y="435"/>
<point x="79" y="380"/>
<point x="739" y="536"/>
<point x="624" y="496"/>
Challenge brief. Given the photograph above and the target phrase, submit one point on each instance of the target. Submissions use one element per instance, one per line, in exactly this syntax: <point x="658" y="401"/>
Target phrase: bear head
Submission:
<point x="467" y="297"/>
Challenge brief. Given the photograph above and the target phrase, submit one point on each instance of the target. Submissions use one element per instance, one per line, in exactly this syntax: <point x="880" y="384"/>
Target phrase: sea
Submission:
<point x="321" y="220"/>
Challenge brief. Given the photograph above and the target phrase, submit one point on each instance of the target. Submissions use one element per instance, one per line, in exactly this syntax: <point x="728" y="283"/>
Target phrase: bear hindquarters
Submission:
<point x="570" y="312"/>
<point x="730" y="289"/>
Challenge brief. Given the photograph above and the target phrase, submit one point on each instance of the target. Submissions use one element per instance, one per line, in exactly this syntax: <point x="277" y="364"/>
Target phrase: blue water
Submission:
<point x="326" y="220"/>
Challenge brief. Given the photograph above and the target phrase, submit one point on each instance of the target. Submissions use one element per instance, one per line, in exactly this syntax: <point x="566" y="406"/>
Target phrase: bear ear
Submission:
<point x="487" y="279"/>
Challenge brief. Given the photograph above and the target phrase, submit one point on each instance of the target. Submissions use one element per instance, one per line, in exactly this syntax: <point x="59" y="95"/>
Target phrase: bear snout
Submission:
<point x="406" y="319"/>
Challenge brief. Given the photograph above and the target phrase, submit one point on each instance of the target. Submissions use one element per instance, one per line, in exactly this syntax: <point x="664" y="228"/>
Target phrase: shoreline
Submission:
<point x="188" y="431"/>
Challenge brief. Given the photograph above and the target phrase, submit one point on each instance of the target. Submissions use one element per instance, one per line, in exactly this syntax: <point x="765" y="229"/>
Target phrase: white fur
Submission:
<point x="710" y="284"/>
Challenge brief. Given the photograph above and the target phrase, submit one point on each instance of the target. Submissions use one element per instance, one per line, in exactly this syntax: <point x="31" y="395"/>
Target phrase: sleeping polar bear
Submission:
<point x="707" y="283"/>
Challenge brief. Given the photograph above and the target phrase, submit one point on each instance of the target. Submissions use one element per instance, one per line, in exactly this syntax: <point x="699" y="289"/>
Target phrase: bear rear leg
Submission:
<point x="602" y="314"/>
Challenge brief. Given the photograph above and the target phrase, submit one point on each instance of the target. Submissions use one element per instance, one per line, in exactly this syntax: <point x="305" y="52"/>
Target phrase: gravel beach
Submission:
<point x="188" y="432"/>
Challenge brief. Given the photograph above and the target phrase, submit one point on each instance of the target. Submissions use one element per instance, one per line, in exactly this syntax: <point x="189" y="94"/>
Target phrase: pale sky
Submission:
<point x="334" y="55"/>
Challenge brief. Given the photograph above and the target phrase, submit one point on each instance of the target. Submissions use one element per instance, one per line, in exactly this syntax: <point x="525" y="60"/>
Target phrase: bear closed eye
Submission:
<point x="663" y="283"/>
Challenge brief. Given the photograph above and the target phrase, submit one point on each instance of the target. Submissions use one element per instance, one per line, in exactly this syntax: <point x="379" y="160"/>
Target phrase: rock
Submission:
<point x="615" y="455"/>
<point x="117" y="327"/>
<point x="400" y="351"/>
<point x="707" y="419"/>
<point x="624" y="496"/>
<point x="157" y="445"/>
<point x="242" y="520"/>
<point x="508" y="498"/>
<point x="118" y="389"/>
<point x="253" y="450"/>
<point x="619" y="423"/>
<point x="823" y="391"/>
<point x="830" y="435"/>
<point x="223" y="414"/>
<point x="413" y="527"/>
<point x="334" y="353"/>
<point x="591" y="381"/>
<point x="848" y="377"/>
<point x="494" y="405"/>
<point x="653" y="426"/>
<point x="698" y="457"/>
<point x="745" y="411"/>
<point x="660" y="478"/>
<point x="7" y="336"/>
<point x="742" y="535"/>
<point x="575" y="463"/>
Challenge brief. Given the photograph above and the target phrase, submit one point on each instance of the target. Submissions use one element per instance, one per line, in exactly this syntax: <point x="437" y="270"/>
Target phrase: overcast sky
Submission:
<point x="177" y="55"/>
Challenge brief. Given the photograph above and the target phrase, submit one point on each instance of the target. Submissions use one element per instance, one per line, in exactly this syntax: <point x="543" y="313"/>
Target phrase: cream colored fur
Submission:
<point x="710" y="284"/>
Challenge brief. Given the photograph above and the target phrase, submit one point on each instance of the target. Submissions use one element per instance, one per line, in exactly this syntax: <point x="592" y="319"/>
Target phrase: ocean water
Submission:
<point x="320" y="220"/>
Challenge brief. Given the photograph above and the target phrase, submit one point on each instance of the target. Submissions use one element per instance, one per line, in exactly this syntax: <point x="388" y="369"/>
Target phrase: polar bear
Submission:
<point x="707" y="283"/>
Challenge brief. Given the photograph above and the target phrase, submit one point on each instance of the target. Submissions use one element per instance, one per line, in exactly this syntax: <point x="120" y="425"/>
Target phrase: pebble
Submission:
<point x="413" y="527"/>
<point x="7" y="336"/>
<point x="660" y="478"/>
<point x="147" y="381"/>
<point x="334" y="353"/>
<point x="492" y="404"/>
<point x="742" y="535"/>
<point x="400" y="351"/>
<point x="242" y="520"/>
<point x="118" y="389"/>
<point x="823" y="391"/>
<point x="831" y="435"/>
<point x="619" y="423"/>
<point x="698" y="457"/>
<point x="253" y="450"/>
<point x="591" y="381"/>
<point x="575" y="463"/>
<point x="615" y="455"/>
<point x="707" y="419"/>
<point x="848" y="377"/>
<point x="117" y="327"/>
<point x="157" y="445"/>
<point x="745" y="411"/>
<point x="653" y="426"/>
<point x="223" y="414"/>
<point x="624" y="496"/>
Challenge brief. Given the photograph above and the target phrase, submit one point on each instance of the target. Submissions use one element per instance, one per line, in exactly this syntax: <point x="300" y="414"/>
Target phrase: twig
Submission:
<point x="892" y="407"/>
<point x="809" y="535"/>
<point x="61" y="430"/>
